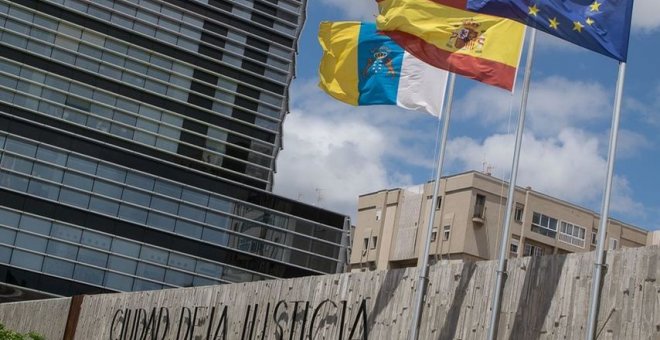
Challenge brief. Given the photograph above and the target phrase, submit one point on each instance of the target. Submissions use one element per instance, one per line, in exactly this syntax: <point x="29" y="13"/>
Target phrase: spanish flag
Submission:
<point x="477" y="46"/>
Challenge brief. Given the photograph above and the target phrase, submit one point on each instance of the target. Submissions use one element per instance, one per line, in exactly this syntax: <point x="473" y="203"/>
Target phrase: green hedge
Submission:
<point x="6" y="334"/>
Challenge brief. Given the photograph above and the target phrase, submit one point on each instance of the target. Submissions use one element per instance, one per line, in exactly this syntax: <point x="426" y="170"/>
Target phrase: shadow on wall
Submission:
<point x="391" y="283"/>
<point x="449" y="327"/>
<point x="536" y="295"/>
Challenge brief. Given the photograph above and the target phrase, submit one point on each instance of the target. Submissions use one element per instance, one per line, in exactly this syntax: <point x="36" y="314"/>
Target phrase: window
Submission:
<point x="544" y="225"/>
<point x="27" y="260"/>
<point x="62" y="249"/>
<point x="572" y="234"/>
<point x="58" y="267"/>
<point x="77" y="103"/>
<point x="532" y="250"/>
<point x="379" y="213"/>
<point x="513" y="248"/>
<point x="438" y="203"/>
<point x="480" y="206"/>
<point x="31" y="242"/>
<point x="594" y="237"/>
<point x="445" y="232"/>
<point x="518" y="213"/>
<point x="96" y="240"/>
<point x="434" y="234"/>
<point x="614" y="243"/>
<point x="366" y="243"/>
<point x="374" y="241"/>
<point x="122" y="264"/>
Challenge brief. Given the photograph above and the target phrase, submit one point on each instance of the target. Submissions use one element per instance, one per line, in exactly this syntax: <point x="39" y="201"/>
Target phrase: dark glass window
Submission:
<point x="178" y="278"/>
<point x="182" y="262"/>
<point x="153" y="255"/>
<point x="188" y="229"/>
<point x="9" y="218"/>
<point x="78" y="103"/>
<point x="78" y="181"/>
<point x="96" y="240"/>
<point x="125" y="247"/>
<point x="17" y="164"/>
<point x="107" y="189"/>
<point x="150" y="271"/>
<point x="58" y="267"/>
<point x="34" y="224"/>
<point x="92" y="257"/>
<point x="26" y="260"/>
<point x="74" y="198"/>
<point x="31" y="242"/>
<point x="122" y="264"/>
<point x="111" y="172"/>
<point x="118" y="282"/>
<point x="160" y="221"/>
<point x="43" y="189"/>
<point x="88" y="274"/>
<point x="145" y="285"/>
<point x="139" y="181"/>
<point x="5" y="253"/>
<point x="164" y="204"/>
<point x="62" y="249"/>
<point x="84" y="165"/>
<point x="132" y="213"/>
<point x="191" y="212"/>
<point x="51" y="156"/>
<point x="104" y="206"/>
<point x="20" y="147"/>
<point x="7" y="236"/>
<point x="65" y="232"/>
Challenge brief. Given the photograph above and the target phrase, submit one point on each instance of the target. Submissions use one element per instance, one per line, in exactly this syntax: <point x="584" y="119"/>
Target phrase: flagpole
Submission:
<point x="422" y="269"/>
<point x="504" y="241"/>
<point x="602" y="228"/>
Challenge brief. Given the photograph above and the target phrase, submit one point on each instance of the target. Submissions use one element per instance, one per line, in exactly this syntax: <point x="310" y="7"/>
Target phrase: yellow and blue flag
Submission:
<point x="602" y="26"/>
<point x="361" y="66"/>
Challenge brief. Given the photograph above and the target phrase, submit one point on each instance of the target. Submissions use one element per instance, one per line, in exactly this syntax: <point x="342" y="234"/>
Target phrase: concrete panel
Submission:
<point x="45" y="317"/>
<point x="544" y="298"/>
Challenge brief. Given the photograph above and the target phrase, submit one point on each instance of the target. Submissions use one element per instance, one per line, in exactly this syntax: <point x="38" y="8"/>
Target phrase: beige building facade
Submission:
<point x="391" y="224"/>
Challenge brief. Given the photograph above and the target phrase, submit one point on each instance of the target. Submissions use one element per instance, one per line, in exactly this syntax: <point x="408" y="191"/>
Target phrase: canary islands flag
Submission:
<point x="602" y="26"/>
<point x="442" y="33"/>
<point x="360" y="66"/>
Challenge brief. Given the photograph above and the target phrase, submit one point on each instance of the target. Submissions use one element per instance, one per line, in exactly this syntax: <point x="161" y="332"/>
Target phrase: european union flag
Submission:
<point x="602" y="26"/>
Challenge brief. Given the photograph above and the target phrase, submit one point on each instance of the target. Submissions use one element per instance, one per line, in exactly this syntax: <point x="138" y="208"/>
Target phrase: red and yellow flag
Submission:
<point x="477" y="46"/>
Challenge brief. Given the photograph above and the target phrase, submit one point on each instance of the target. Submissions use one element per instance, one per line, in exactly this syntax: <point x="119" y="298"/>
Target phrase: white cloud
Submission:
<point x="648" y="108"/>
<point x="554" y="104"/>
<point x="630" y="143"/>
<point x="622" y="201"/>
<point x="337" y="152"/>
<point x="355" y="10"/>
<point x="645" y="15"/>
<point x="545" y="164"/>
<point x="568" y="167"/>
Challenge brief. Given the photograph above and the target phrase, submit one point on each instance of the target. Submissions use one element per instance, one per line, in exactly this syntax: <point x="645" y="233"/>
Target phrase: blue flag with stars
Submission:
<point x="602" y="26"/>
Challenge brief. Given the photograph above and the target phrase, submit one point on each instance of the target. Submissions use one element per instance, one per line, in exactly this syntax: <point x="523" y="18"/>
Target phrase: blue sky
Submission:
<point x="334" y="152"/>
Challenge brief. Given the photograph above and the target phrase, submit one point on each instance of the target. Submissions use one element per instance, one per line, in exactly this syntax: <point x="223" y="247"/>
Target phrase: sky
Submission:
<point x="334" y="152"/>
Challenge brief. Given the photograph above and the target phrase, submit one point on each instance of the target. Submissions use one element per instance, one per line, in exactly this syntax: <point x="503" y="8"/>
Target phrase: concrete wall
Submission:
<point x="45" y="317"/>
<point x="544" y="298"/>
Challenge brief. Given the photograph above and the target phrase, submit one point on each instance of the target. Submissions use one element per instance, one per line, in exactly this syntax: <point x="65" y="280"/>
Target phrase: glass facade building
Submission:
<point x="138" y="141"/>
